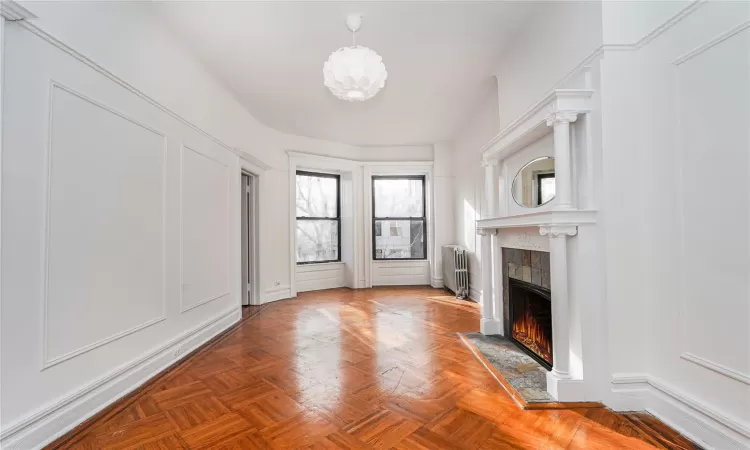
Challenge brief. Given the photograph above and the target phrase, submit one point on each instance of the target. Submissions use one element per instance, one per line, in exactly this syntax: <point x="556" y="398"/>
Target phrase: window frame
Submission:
<point x="423" y="218"/>
<point x="337" y="218"/>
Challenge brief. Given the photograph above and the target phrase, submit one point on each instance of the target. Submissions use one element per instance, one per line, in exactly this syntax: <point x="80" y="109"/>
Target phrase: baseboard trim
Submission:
<point x="699" y="422"/>
<point x="321" y="284"/>
<point x="279" y="293"/>
<point x="565" y="390"/>
<point x="475" y="294"/>
<point x="401" y="280"/>
<point x="55" y="420"/>
<point x="491" y="326"/>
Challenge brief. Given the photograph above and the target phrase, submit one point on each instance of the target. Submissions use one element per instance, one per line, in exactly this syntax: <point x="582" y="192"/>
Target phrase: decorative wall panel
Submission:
<point x="105" y="226"/>
<point x="205" y="229"/>
<point x="712" y="116"/>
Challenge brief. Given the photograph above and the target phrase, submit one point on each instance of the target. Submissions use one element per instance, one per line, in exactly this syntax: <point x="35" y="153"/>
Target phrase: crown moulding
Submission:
<point x="561" y="105"/>
<point x="13" y="11"/>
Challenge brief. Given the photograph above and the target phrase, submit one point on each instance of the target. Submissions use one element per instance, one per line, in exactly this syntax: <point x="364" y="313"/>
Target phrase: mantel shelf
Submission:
<point x="532" y="125"/>
<point x="536" y="219"/>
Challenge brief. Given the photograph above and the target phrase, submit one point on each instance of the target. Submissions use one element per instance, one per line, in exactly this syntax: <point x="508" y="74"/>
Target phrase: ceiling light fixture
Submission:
<point x="354" y="73"/>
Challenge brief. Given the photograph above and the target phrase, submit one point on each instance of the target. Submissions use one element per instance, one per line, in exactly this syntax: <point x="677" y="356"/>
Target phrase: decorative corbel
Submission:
<point x="486" y="231"/>
<point x="557" y="116"/>
<point x="558" y="230"/>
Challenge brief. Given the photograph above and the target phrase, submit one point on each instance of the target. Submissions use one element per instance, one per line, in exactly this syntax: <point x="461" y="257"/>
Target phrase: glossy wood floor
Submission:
<point x="342" y="369"/>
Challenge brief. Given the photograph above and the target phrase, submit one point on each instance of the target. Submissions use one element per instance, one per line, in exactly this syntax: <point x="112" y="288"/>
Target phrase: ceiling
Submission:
<point x="440" y="58"/>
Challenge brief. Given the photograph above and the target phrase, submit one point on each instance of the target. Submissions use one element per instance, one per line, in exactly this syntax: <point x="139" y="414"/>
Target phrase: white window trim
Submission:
<point x="398" y="168"/>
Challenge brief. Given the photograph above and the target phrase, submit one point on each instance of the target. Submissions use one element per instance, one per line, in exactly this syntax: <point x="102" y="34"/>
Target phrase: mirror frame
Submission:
<point x="513" y="183"/>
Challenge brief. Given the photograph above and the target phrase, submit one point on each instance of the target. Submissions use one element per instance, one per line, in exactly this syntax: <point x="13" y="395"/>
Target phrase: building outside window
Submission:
<point x="318" y="218"/>
<point x="399" y="217"/>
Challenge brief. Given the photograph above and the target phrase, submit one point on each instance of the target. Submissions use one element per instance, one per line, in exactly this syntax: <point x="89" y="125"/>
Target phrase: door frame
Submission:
<point x="251" y="287"/>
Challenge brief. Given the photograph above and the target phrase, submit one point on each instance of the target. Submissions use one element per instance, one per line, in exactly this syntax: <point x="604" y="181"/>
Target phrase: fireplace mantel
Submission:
<point x="540" y="219"/>
<point x="558" y="222"/>
<point x="534" y="124"/>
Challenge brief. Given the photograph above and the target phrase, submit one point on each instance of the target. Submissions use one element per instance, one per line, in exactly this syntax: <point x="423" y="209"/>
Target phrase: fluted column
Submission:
<point x="486" y="326"/>
<point x="558" y="247"/>
<point x="560" y="121"/>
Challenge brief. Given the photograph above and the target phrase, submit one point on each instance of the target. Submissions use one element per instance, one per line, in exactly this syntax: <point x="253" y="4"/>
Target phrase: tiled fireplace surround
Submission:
<point x="527" y="265"/>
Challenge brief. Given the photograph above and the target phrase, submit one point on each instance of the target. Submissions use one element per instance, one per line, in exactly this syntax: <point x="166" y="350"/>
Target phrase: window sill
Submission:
<point x="312" y="267"/>
<point x="398" y="261"/>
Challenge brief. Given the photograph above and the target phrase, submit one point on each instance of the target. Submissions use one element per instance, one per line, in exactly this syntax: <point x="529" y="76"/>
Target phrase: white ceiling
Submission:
<point x="440" y="58"/>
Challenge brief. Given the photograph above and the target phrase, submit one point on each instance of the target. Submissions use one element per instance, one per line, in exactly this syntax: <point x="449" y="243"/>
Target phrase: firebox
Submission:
<point x="531" y="320"/>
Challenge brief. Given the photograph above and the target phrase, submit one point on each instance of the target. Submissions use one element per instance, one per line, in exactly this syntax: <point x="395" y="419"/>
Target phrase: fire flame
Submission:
<point x="530" y="333"/>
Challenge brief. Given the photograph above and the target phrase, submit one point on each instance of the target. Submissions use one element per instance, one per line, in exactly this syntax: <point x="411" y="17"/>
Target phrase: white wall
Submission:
<point x="130" y="83"/>
<point x="468" y="179"/>
<point x="314" y="277"/>
<point x="675" y="113"/>
<point x="119" y="239"/>
<point x="544" y="53"/>
<point x="443" y="189"/>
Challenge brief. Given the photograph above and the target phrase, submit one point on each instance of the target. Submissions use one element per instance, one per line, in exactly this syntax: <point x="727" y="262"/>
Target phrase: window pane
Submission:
<point x="316" y="196"/>
<point x="400" y="239"/>
<point x="547" y="185"/>
<point x="317" y="240"/>
<point x="398" y="198"/>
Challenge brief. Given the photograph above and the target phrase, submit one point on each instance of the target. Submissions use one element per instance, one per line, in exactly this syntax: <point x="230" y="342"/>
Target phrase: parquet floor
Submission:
<point x="342" y="369"/>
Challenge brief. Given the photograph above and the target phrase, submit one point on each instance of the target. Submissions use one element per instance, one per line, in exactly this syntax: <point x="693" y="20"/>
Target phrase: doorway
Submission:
<point x="249" y="239"/>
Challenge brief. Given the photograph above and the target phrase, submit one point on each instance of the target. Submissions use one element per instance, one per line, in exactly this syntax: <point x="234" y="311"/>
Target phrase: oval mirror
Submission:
<point x="534" y="184"/>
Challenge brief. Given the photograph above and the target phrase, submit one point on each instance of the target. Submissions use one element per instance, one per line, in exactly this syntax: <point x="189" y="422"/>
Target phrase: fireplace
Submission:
<point x="531" y="320"/>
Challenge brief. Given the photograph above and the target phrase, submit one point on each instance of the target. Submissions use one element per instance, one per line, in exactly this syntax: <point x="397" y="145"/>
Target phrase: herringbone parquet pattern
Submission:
<point x="342" y="369"/>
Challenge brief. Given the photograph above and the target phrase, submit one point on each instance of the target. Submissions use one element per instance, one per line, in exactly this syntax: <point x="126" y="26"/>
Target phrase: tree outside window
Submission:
<point x="318" y="225"/>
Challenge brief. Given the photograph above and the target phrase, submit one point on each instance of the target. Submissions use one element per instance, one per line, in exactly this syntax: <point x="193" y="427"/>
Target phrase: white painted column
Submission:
<point x="558" y="247"/>
<point x="491" y="188"/>
<point x="486" y="325"/>
<point x="492" y="309"/>
<point x="560" y="121"/>
<point x="497" y="288"/>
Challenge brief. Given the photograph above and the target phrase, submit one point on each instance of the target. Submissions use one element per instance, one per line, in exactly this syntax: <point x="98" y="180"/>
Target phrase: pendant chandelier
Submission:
<point x="354" y="73"/>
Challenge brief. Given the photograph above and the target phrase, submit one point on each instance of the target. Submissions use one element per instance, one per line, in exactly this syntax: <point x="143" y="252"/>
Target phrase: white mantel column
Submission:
<point x="491" y="188"/>
<point x="560" y="121"/>
<point x="558" y="247"/>
<point x="497" y="288"/>
<point x="487" y="324"/>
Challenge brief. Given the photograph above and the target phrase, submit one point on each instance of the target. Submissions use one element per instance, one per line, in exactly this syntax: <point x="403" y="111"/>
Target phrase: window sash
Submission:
<point x="405" y="231"/>
<point x="336" y="219"/>
<point x="335" y="177"/>
<point x="422" y="219"/>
